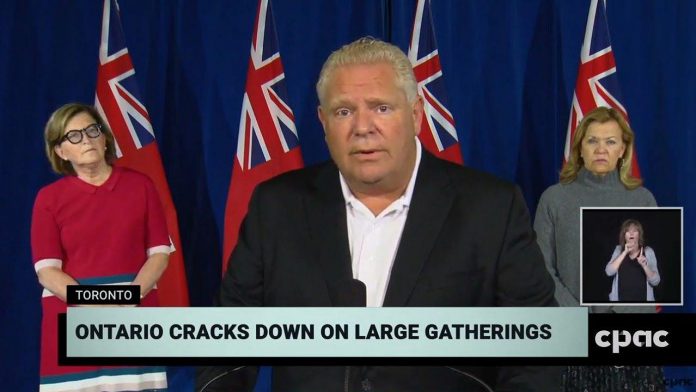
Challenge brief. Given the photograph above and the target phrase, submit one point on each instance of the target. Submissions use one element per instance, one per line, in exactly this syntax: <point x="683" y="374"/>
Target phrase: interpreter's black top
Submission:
<point x="632" y="281"/>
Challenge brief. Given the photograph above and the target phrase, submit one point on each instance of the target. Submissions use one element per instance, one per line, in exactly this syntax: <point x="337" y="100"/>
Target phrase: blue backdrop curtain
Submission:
<point x="510" y="68"/>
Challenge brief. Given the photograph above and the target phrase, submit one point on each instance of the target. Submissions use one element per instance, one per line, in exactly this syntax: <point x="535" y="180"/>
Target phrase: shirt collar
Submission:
<point x="109" y="184"/>
<point x="404" y="200"/>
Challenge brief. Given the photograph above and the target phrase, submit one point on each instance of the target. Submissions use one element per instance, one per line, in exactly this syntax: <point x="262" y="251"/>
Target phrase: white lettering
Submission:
<point x="623" y="338"/>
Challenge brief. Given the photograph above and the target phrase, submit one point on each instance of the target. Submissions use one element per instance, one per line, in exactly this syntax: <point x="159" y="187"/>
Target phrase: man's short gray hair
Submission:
<point x="368" y="50"/>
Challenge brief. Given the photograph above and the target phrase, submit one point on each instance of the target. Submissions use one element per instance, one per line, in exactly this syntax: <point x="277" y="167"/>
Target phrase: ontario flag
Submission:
<point x="267" y="144"/>
<point x="438" y="134"/>
<point x="118" y="101"/>
<point x="597" y="83"/>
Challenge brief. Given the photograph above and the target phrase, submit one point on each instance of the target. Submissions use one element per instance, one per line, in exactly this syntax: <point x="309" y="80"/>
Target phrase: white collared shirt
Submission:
<point x="373" y="240"/>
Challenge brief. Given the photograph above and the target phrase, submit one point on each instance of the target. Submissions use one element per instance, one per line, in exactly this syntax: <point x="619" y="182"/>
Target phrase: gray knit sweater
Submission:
<point x="557" y="224"/>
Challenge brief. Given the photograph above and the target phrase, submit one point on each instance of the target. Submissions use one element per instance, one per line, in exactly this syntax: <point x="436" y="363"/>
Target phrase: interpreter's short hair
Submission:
<point x="624" y="228"/>
<point x="575" y="162"/>
<point x="368" y="50"/>
<point x="55" y="129"/>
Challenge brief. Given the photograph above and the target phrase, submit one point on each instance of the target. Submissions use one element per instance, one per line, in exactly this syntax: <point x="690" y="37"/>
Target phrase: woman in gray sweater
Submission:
<point x="597" y="174"/>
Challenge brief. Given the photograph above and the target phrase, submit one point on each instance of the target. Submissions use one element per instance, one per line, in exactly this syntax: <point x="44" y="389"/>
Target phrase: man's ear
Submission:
<point x="418" y="114"/>
<point x="322" y="118"/>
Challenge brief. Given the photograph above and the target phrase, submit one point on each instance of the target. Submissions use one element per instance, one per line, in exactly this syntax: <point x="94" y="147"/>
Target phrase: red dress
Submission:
<point x="97" y="235"/>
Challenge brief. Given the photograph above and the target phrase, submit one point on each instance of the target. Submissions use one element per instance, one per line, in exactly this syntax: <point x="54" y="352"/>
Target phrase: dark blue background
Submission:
<point x="510" y="69"/>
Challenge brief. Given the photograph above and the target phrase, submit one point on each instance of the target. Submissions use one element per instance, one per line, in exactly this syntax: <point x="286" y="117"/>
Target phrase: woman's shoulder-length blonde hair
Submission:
<point x="55" y="128"/>
<point x="601" y="115"/>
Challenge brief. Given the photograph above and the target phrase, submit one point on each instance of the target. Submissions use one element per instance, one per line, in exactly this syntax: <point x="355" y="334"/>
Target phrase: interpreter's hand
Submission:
<point x="642" y="260"/>
<point x="632" y="244"/>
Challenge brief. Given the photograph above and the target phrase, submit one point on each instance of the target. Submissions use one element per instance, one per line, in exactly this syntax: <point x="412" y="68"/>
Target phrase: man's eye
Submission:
<point x="342" y="112"/>
<point x="382" y="108"/>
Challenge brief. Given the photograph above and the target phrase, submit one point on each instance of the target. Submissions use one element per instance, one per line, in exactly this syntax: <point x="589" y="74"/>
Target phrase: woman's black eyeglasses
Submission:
<point x="92" y="131"/>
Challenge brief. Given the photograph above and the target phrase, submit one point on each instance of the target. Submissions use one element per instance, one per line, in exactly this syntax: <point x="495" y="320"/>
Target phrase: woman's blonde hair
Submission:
<point x="575" y="162"/>
<point x="55" y="128"/>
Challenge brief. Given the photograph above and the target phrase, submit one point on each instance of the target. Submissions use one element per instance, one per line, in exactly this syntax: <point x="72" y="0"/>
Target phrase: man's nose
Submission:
<point x="363" y="122"/>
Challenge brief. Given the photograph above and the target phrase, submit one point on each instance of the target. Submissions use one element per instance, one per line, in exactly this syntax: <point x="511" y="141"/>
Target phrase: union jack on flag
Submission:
<point x="267" y="143"/>
<point x="597" y="83"/>
<point x="438" y="133"/>
<point x="118" y="101"/>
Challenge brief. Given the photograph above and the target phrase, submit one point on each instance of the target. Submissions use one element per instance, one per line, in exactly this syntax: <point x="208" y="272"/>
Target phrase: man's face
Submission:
<point x="370" y="127"/>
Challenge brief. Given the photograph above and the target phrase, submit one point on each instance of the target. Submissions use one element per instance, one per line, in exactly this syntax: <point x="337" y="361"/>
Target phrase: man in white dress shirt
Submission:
<point x="415" y="230"/>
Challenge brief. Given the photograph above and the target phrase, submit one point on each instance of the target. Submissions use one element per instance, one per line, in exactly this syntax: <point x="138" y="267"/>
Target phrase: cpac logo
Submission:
<point x="625" y="338"/>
